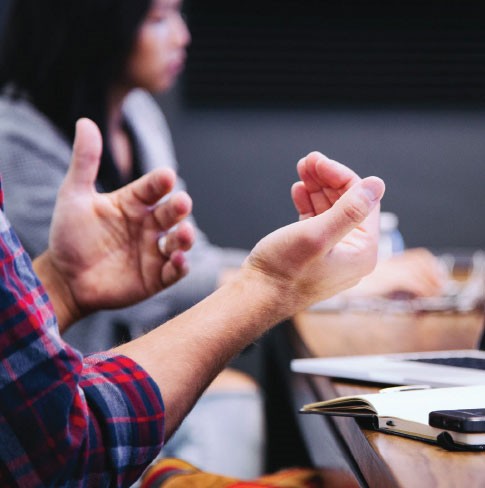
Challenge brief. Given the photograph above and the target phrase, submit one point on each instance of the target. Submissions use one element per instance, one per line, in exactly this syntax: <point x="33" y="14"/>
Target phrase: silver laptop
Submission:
<point x="437" y="368"/>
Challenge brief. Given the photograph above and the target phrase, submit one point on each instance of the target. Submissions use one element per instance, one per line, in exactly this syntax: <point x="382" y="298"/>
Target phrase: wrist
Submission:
<point x="271" y="294"/>
<point x="60" y="294"/>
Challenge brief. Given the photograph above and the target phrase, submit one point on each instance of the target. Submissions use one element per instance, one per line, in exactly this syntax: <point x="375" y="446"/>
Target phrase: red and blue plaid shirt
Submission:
<point x="65" y="420"/>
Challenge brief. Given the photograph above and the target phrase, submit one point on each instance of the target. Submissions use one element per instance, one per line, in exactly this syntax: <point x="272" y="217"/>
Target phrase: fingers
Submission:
<point x="146" y="191"/>
<point x="173" y="246"/>
<point x="180" y="239"/>
<point x="174" y="269"/>
<point x="338" y="194"/>
<point x="86" y="156"/>
<point x="317" y="170"/>
<point x="302" y="200"/>
<point x="324" y="180"/>
<point x="337" y="175"/>
<point x="354" y="208"/>
<point x="172" y="211"/>
<point x="150" y="188"/>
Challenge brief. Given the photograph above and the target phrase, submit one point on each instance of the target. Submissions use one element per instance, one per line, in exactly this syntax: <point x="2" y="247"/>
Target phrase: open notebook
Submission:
<point x="408" y="413"/>
<point x="436" y="368"/>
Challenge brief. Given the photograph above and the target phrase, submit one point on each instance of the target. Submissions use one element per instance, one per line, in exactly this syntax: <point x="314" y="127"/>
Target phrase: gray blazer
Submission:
<point x="34" y="157"/>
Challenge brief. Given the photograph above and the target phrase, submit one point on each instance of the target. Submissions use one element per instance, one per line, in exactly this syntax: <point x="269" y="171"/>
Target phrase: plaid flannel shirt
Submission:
<point x="65" y="420"/>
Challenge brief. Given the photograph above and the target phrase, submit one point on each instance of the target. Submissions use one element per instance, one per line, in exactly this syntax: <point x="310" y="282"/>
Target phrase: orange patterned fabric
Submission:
<point x="175" y="473"/>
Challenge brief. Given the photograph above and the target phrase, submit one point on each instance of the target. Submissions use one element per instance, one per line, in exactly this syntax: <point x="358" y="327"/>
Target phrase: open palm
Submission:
<point x="105" y="245"/>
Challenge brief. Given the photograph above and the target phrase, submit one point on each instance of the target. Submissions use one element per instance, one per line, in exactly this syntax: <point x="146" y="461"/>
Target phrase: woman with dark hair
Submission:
<point x="102" y="59"/>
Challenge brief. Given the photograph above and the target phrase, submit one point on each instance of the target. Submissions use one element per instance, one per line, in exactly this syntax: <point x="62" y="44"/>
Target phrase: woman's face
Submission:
<point x="159" y="51"/>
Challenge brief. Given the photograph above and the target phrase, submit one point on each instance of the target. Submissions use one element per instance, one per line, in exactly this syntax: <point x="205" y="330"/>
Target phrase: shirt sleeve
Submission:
<point x="65" y="420"/>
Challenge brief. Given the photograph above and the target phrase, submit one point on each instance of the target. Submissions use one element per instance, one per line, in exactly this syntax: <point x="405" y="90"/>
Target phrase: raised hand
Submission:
<point x="335" y="243"/>
<point x="104" y="247"/>
<point x="322" y="182"/>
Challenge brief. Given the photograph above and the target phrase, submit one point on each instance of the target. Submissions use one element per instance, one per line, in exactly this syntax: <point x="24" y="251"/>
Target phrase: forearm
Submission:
<point x="77" y="407"/>
<point x="186" y="353"/>
<point x="59" y="293"/>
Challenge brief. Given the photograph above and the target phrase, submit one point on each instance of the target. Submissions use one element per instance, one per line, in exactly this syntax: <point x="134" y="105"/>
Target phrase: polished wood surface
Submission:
<point x="347" y="333"/>
<point x="378" y="459"/>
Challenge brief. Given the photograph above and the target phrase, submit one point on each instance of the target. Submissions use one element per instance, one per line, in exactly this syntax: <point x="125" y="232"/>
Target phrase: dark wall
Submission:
<point x="321" y="52"/>
<point x="4" y="4"/>
<point x="239" y="165"/>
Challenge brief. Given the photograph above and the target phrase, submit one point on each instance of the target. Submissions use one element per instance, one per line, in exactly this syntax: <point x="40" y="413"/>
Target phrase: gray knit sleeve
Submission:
<point x="33" y="161"/>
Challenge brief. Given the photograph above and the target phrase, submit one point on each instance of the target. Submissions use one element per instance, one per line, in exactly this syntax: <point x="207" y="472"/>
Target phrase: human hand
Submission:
<point x="335" y="243"/>
<point x="103" y="247"/>
<point x="412" y="273"/>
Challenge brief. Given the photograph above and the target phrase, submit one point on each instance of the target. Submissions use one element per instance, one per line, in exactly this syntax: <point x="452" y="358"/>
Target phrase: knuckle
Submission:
<point x="354" y="212"/>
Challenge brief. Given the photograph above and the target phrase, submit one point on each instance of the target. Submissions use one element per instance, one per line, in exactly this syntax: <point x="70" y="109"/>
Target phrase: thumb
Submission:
<point x="86" y="156"/>
<point x="354" y="208"/>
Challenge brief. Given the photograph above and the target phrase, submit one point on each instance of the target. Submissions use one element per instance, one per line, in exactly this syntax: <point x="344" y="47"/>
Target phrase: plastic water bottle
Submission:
<point x="391" y="241"/>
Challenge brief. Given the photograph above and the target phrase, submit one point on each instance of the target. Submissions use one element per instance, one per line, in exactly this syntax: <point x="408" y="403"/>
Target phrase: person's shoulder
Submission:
<point x="21" y="123"/>
<point x="139" y="99"/>
<point x="140" y="105"/>
<point x="18" y="115"/>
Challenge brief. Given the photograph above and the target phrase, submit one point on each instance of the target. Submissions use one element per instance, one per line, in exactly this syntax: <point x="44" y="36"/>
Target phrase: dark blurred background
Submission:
<point x="393" y="88"/>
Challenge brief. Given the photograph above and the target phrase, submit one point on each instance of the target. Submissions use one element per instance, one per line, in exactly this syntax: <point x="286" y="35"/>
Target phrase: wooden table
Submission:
<point x="363" y="457"/>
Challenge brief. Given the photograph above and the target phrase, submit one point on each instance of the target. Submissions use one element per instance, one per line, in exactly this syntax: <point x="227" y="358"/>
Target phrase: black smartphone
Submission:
<point x="466" y="420"/>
